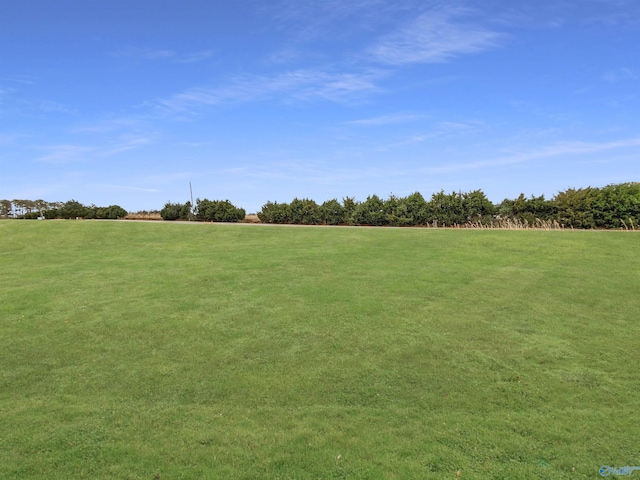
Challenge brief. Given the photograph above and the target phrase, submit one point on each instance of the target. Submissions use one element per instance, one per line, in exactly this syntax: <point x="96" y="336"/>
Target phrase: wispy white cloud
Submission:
<point x="47" y="106"/>
<point x="620" y="75"/>
<point x="440" y="130"/>
<point x="195" y="144"/>
<point x="145" y="53"/>
<point x="551" y="151"/>
<point x="298" y="85"/>
<point x="58" y="154"/>
<point x="125" y="144"/>
<point x="621" y="100"/>
<point x="311" y="20"/>
<point x="22" y="79"/>
<point x="4" y="94"/>
<point x="109" y="125"/>
<point x="307" y="171"/>
<point x="10" y="98"/>
<point x="437" y="130"/>
<point x="163" y="54"/>
<point x="283" y="56"/>
<point x="447" y="126"/>
<point x="195" y="57"/>
<point x="436" y="36"/>
<point x="9" y="138"/>
<point x="167" y="178"/>
<point x="128" y="188"/>
<point x="69" y="153"/>
<point x="389" y="119"/>
<point x="613" y="13"/>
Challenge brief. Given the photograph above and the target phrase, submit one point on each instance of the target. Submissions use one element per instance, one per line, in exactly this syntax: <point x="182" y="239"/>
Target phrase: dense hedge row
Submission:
<point x="613" y="206"/>
<point x="443" y="209"/>
<point x="205" y="211"/>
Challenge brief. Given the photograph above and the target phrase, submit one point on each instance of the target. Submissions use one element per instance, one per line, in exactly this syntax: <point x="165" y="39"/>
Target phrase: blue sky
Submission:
<point x="125" y="102"/>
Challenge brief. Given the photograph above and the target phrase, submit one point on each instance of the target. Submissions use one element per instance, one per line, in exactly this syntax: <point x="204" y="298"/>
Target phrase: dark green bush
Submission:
<point x="417" y="209"/>
<point x="218" y="211"/>
<point x="304" y="212"/>
<point x="273" y="212"/>
<point x="332" y="213"/>
<point x="574" y="208"/>
<point x="528" y="209"/>
<point x="370" y="212"/>
<point x="447" y="209"/>
<point x="349" y="205"/>
<point x="397" y="213"/>
<point x="616" y="206"/>
<point x="73" y="209"/>
<point x="477" y="206"/>
<point x="176" y="211"/>
<point x="50" y="213"/>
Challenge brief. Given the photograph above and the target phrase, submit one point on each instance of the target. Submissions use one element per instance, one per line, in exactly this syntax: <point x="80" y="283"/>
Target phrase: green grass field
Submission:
<point x="188" y="351"/>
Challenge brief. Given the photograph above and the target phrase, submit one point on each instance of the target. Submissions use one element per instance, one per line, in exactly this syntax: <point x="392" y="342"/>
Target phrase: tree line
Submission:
<point x="613" y="206"/>
<point x="32" y="209"/>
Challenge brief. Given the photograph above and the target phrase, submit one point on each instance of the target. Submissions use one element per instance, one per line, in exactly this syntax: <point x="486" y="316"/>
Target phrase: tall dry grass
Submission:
<point x="143" y="216"/>
<point x="516" y="224"/>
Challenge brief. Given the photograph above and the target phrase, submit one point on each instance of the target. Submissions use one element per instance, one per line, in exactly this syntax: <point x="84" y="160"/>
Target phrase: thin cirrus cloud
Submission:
<point x="551" y="151"/>
<point x="294" y="85"/>
<point x="194" y="57"/>
<point x="109" y="125"/>
<point x="310" y="20"/>
<point x="8" y="138"/>
<point x="620" y="75"/>
<point x="68" y="153"/>
<point x="162" y="54"/>
<point x="125" y="144"/>
<point x="59" y="154"/>
<point x="10" y="101"/>
<point x="4" y="92"/>
<point x="434" y="37"/>
<point x="21" y="79"/>
<point x="47" y="106"/>
<point x="390" y="119"/>
<point x="129" y="188"/>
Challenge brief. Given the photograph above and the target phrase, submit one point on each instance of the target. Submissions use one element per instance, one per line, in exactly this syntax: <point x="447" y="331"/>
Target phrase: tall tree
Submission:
<point x="5" y="208"/>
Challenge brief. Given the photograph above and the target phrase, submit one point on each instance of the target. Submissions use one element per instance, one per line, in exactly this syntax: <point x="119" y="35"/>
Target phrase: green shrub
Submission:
<point x="176" y="211"/>
<point x="273" y="212"/>
<point x="304" y="212"/>
<point x="447" y="209"/>
<point x="349" y="205"/>
<point x="218" y="211"/>
<point x="477" y="206"/>
<point x="73" y="209"/>
<point x="331" y="212"/>
<point x="370" y="212"/>
<point x="417" y="208"/>
<point x="50" y="213"/>
<point x="30" y="216"/>
<point x="574" y="207"/>
<point x="397" y="212"/>
<point x="615" y="206"/>
<point x="528" y="209"/>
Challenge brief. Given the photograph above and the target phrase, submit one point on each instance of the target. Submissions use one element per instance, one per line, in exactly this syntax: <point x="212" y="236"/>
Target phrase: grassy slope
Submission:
<point x="202" y="351"/>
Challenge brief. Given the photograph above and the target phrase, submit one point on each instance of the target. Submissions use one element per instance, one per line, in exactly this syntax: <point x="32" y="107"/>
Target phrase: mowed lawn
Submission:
<point x="187" y="351"/>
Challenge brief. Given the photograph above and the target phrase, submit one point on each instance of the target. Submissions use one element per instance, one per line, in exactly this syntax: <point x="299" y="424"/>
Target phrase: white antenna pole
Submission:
<point x="191" y="192"/>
